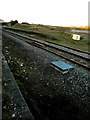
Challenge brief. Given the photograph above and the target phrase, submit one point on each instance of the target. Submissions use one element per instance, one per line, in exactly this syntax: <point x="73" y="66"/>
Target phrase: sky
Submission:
<point x="47" y="12"/>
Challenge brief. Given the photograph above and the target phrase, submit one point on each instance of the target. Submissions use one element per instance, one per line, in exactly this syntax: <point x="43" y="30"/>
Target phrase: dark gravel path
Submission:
<point x="49" y="87"/>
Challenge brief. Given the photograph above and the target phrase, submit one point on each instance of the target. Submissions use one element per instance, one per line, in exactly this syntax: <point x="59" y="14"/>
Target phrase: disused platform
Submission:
<point x="22" y="110"/>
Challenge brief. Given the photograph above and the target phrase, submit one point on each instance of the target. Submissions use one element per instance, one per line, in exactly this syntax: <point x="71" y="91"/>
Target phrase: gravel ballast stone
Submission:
<point x="48" y="81"/>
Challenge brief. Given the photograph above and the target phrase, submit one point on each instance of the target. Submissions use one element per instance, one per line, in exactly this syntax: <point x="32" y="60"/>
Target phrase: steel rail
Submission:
<point x="43" y="46"/>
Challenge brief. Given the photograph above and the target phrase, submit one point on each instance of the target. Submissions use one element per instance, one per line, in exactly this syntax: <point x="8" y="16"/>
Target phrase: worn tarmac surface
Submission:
<point x="54" y="95"/>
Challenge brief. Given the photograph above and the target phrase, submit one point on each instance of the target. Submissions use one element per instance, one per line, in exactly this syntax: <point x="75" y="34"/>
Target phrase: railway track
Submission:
<point x="75" y="56"/>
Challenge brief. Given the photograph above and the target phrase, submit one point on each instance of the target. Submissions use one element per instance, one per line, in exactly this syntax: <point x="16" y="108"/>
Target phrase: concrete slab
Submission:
<point x="64" y="67"/>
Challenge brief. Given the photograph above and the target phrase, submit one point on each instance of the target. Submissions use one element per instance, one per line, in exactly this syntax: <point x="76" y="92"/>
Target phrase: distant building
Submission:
<point x="4" y="23"/>
<point x="1" y="20"/>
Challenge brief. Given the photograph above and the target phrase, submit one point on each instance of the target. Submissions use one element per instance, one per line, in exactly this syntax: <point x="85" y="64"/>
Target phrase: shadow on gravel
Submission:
<point x="40" y="90"/>
<point x="58" y="108"/>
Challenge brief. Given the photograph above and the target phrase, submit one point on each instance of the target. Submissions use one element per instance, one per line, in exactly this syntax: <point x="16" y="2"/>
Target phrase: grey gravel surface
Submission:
<point x="75" y="82"/>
